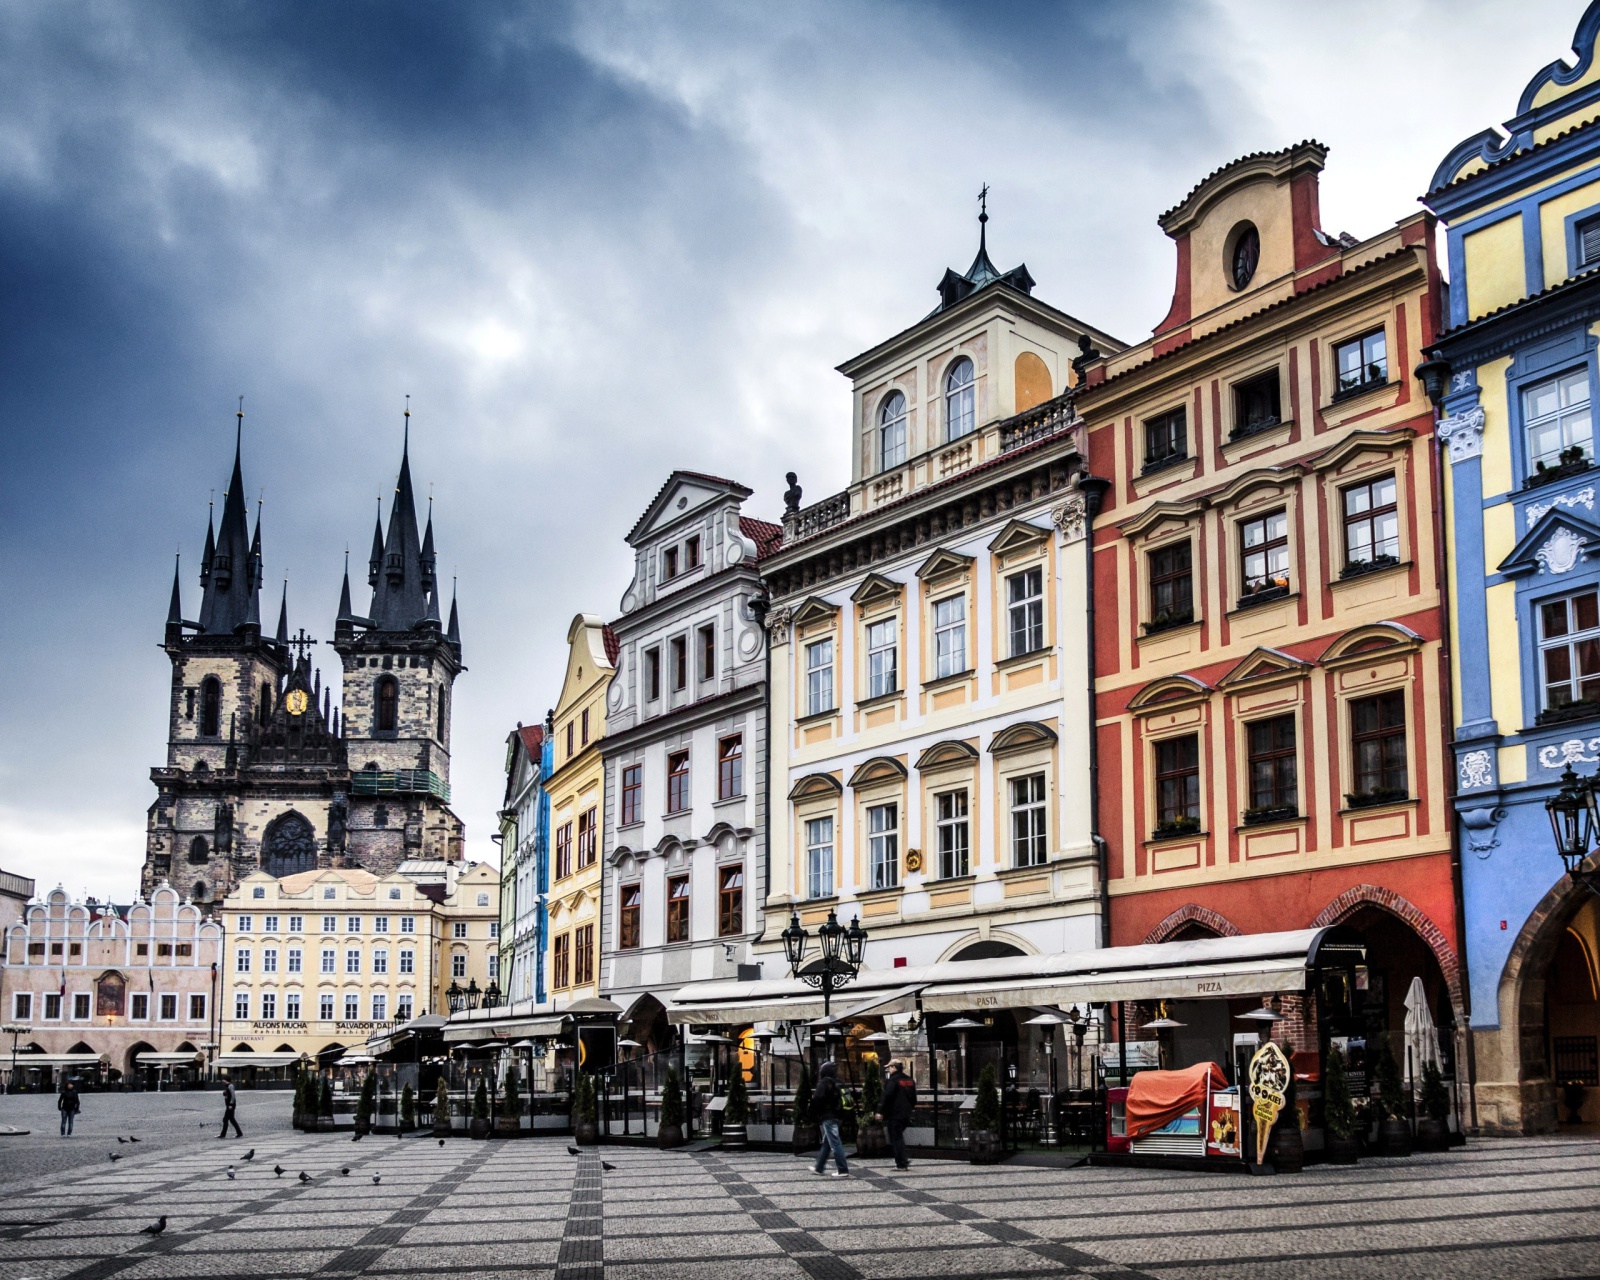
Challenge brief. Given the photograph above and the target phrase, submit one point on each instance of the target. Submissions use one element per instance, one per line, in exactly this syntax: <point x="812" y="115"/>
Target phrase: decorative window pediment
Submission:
<point x="1021" y="737"/>
<point x="1556" y="544"/>
<point x="1264" y="666"/>
<point x="944" y="564"/>
<point x="1278" y="478"/>
<point x="1158" y="513"/>
<point x="948" y="754"/>
<point x="1169" y="694"/>
<point x="876" y="589"/>
<point x="1366" y="644"/>
<point x="814" y="610"/>
<point x="876" y="770"/>
<point x="1383" y="445"/>
<point x="816" y="785"/>
<point x="1018" y="535"/>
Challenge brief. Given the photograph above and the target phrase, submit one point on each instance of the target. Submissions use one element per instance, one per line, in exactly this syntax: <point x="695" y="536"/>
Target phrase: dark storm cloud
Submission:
<point x="593" y="241"/>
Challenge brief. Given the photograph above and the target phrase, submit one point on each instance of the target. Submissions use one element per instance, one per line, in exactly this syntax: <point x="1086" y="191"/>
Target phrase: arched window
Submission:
<point x="960" y="401"/>
<point x="443" y="711"/>
<point x="289" y="846"/>
<point x="199" y="893"/>
<point x="388" y="705"/>
<point x="211" y="707"/>
<point x="892" y="432"/>
<point x="264" y="710"/>
<point x="199" y="851"/>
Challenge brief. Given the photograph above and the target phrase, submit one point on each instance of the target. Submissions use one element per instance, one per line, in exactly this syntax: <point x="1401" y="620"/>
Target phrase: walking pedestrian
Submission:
<point x="230" y="1100"/>
<point x="68" y="1104"/>
<point x="899" y="1100"/>
<point x="825" y="1106"/>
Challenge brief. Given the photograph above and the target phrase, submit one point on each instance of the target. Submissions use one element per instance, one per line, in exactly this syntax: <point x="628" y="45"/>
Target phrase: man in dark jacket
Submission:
<point x="230" y="1100"/>
<point x="825" y="1105"/>
<point x="68" y="1104"/>
<point x="899" y="1100"/>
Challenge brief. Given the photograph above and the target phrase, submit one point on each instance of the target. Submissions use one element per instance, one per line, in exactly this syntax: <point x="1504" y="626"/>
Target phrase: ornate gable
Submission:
<point x="942" y="565"/>
<point x="814" y="610"/>
<point x="948" y="754"/>
<point x="1157" y="513"/>
<point x="1365" y="644"/>
<point x="1557" y="543"/>
<point x="1021" y="737"/>
<point x="1346" y="455"/>
<point x="1169" y="694"/>
<point x="1264" y="666"/>
<point x="875" y="589"/>
<point x="815" y="786"/>
<point x="685" y="493"/>
<point x="878" y="769"/>
<point x="1018" y="535"/>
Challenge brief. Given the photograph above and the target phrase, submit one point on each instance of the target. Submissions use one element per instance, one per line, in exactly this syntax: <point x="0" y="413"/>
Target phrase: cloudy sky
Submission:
<point x="593" y="243"/>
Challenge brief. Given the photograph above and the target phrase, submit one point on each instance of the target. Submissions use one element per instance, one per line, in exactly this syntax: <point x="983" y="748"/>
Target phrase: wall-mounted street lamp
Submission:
<point x="842" y="952"/>
<point x="1575" y="819"/>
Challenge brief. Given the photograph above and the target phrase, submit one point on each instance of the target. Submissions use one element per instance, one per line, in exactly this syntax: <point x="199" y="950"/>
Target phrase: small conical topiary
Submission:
<point x="803" y="1091"/>
<point x="441" y="1104"/>
<point x="871" y="1091"/>
<point x="480" y="1102"/>
<point x="511" y="1104"/>
<point x="368" y="1102"/>
<point x="1434" y="1099"/>
<point x="408" y="1107"/>
<point x="737" y="1111"/>
<point x="986" y="1110"/>
<point x="1391" y="1093"/>
<point x="672" y="1099"/>
<point x="1338" y="1108"/>
<point x="325" y="1100"/>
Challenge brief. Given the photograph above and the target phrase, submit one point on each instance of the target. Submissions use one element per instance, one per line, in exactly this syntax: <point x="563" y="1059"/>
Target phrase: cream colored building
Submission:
<point x="930" y="758"/>
<point x="576" y="787"/>
<point x="317" y="962"/>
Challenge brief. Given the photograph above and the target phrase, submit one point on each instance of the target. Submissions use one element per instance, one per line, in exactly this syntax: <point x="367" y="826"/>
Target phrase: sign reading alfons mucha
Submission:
<point x="1269" y="1090"/>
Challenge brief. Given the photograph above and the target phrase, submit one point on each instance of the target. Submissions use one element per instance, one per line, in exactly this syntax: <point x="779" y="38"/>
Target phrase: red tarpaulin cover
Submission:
<point x="1156" y="1098"/>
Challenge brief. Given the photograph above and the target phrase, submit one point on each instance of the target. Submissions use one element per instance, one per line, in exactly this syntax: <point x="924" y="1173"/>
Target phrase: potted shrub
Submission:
<point x="736" y="1115"/>
<point x="871" y="1139"/>
<point x="509" y="1122"/>
<point x="479" y="1128"/>
<point x="1573" y="1093"/>
<point x="408" y="1108"/>
<point x="669" y="1133"/>
<point x="983" y="1144"/>
<point x="1339" y="1112"/>
<point x="807" y="1136"/>
<point x="302" y="1110"/>
<point x="325" y="1104"/>
<point x="1393" y="1132"/>
<point x="441" y="1110"/>
<point x="367" y="1102"/>
<point x="1433" y="1133"/>
<point x="584" y="1129"/>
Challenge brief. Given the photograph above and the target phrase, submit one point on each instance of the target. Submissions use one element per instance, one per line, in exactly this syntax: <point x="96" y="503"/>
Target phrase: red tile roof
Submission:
<point x="767" y="536"/>
<point x="532" y="736"/>
<point x="613" y="645"/>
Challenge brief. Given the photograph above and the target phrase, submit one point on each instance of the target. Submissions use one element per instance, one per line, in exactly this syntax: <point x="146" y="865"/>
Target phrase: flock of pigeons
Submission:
<point x="160" y="1224"/>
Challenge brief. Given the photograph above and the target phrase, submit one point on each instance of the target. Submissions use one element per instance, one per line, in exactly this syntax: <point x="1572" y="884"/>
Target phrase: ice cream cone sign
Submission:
<point x="1269" y="1087"/>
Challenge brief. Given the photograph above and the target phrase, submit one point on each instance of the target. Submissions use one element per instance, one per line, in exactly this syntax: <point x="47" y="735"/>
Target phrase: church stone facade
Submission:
<point x="263" y="771"/>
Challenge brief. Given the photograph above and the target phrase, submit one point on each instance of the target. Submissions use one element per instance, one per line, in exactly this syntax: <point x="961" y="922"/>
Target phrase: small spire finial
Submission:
<point x="406" y="446"/>
<point x="238" y="433"/>
<point x="983" y="218"/>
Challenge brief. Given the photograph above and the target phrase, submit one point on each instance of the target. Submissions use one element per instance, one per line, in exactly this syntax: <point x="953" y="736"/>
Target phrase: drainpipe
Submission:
<point x="1094" y="489"/>
<point x="760" y="606"/>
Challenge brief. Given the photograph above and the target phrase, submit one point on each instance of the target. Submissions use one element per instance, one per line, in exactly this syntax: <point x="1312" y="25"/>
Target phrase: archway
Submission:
<point x="289" y="846"/>
<point x="988" y="949"/>
<point x="131" y="1070"/>
<point x="1192" y="921"/>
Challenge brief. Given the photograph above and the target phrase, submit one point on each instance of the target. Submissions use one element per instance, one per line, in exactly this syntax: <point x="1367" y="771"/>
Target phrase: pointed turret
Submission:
<point x="427" y="555"/>
<point x="376" y="561"/>
<point x="230" y="600"/>
<point x="953" y="288"/>
<point x="211" y="545"/>
<point x="452" y="632"/>
<point x="432" y="621"/>
<point x="400" y="598"/>
<point x="282" y="634"/>
<point x="175" y="607"/>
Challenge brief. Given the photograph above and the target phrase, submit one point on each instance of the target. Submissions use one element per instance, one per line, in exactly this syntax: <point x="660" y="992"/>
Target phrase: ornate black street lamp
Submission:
<point x="455" y="997"/>
<point x="1575" y="819"/>
<point x="491" y="997"/>
<point x="842" y="952"/>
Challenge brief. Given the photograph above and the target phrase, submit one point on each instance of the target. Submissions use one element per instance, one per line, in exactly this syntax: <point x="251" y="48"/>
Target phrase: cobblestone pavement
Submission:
<point x="1500" y="1209"/>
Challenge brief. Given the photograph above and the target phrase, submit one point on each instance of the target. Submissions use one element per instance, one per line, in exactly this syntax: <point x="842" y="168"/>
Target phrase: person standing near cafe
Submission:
<point x="899" y="1101"/>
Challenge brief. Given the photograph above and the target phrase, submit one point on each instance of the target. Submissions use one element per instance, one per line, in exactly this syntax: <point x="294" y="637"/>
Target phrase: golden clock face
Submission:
<point x="296" y="702"/>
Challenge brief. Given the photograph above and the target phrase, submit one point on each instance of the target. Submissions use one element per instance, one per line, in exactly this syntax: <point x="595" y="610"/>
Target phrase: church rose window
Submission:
<point x="289" y="846"/>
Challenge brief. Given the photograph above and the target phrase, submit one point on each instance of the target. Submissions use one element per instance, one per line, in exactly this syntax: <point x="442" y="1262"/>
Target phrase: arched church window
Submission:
<point x="289" y="846"/>
<point x="442" y="712"/>
<point x="892" y="432"/>
<point x="388" y="705"/>
<point x="199" y="851"/>
<point x="198" y="893"/>
<point x="264" y="711"/>
<point x="960" y="400"/>
<point x="211" y="707"/>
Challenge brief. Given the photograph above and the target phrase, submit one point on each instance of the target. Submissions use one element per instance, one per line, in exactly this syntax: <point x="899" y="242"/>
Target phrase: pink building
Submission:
<point x="109" y="994"/>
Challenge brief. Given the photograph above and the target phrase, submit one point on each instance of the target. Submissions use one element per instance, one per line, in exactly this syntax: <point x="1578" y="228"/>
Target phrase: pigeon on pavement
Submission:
<point x="156" y="1227"/>
<point x="607" y="1167"/>
<point x="230" y="1173"/>
<point x="277" y="1171"/>
<point x="304" y="1177"/>
<point x="115" y="1157"/>
<point x="133" y="1139"/>
<point x="250" y="1154"/>
<point x="345" y="1171"/>
<point x="121" y="1139"/>
<point x="572" y="1151"/>
<point x="375" y="1178"/>
<point x="441" y="1142"/>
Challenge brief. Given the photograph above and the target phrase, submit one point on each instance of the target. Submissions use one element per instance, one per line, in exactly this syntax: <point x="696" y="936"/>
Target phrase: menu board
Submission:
<point x="1222" y="1123"/>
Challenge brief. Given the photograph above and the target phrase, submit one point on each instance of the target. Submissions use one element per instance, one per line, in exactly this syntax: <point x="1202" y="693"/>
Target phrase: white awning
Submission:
<point x="25" y="1060"/>
<point x="256" y="1059"/>
<point x="1254" y="964"/>
<point x="508" y="1030"/>
<point x="167" y="1059"/>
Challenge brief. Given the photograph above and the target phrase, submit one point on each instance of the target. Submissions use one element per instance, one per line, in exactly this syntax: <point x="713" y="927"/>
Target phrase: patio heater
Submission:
<point x="1575" y="819"/>
<point x="961" y="1026"/>
<point x="1048" y="1022"/>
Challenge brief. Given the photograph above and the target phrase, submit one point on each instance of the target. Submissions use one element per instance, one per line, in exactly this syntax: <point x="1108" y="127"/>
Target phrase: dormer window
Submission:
<point x="691" y="553"/>
<point x="960" y="400"/>
<point x="1244" y="255"/>
<point x="892" y="432"/>
<point x="669" y="563"/>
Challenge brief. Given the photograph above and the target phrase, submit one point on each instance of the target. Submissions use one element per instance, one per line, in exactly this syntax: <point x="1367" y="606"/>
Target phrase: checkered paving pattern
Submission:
<point x="468" y="1209"/>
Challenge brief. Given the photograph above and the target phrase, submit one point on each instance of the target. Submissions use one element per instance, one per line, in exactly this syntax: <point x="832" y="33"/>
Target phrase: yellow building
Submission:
<point x="315" y="963"/>
<point x="577" y="807"/>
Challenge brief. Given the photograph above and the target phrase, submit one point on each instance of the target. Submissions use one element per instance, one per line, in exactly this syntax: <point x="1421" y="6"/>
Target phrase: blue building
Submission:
<point x="525" y="865"/>
<point x="1515" y="375"/>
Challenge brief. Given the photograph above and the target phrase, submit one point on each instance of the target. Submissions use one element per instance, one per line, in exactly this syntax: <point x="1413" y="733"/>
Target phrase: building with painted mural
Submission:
<point x="576" y="788"/>
<point x="263" y="770"/>
<point x="685" y="751"/>
<point x="1269" y="659"/>
<point x="109" y="994"/>
<point x="525" y="865"/>
<point x="1517" y="377"/>
<point x="313" y="964"/>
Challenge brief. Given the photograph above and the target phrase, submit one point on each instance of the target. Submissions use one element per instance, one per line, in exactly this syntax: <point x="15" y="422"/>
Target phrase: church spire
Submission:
<point x="282" y="636"/>
<point x="175" y="607"/>
<point x="453" y="631"/>
<point x="399" y="598"/>
<point x="233" y="578"/>
<point x="375" y="561"/>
